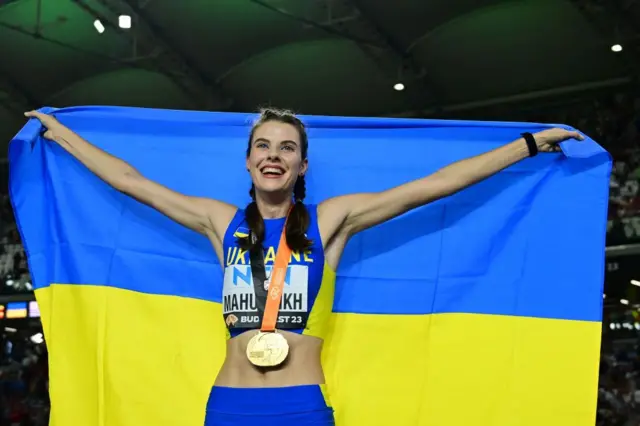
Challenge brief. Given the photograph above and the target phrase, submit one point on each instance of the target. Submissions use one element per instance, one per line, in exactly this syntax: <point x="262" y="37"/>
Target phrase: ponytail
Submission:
<point x="297" y="223"/>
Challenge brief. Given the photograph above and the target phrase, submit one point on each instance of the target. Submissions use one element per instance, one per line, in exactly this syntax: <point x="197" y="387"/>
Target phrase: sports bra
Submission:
<point x="307" y="300"/>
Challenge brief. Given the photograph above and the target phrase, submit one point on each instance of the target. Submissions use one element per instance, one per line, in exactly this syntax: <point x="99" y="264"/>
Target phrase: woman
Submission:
<point x="272" y="372"/>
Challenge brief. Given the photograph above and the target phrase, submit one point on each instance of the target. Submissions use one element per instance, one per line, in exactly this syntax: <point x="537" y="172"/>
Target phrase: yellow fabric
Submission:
<point x="461" y="370"/>
<point x="318" y="321"/>
<point x="129" y="386"/>
<point x="325" y="394"/>
<point x="445" y="369"/>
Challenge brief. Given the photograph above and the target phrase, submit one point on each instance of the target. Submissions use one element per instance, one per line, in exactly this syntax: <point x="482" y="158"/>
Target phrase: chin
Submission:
<point x="273" y="187"/>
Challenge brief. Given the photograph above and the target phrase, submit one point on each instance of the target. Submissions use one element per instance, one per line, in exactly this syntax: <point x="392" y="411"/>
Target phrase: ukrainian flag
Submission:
<point x="480" y="309"/>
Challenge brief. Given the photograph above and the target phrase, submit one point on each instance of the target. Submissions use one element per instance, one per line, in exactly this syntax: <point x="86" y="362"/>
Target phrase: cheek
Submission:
<point x="294" y="164"/>
<point x="254" y="160"/>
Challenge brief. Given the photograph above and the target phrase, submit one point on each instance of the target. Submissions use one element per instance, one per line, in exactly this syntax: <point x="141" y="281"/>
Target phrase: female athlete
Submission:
<point x="272" y="372"/>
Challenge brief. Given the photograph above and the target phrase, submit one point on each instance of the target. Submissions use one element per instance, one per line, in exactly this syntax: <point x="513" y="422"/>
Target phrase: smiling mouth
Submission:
<point x="272" y="171"/>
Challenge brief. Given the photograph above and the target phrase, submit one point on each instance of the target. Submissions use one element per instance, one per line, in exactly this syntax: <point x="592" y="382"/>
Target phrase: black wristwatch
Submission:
<point x="531" y="144"/>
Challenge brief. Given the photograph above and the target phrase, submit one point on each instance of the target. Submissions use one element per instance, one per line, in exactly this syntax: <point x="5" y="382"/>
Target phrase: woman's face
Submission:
<point x="275" y="160"/>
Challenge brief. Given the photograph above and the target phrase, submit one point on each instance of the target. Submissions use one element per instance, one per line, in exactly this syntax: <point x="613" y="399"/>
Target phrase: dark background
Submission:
<point x="528" y="60"/>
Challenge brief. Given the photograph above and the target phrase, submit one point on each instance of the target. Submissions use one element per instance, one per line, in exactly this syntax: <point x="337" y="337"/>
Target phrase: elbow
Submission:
<point x="128" y="181"/>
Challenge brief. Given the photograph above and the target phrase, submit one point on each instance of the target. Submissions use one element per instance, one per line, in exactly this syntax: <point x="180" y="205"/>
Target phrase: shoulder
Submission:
<point x="332" y="208"/>
<point x="341" y="207"/>
<point x="221" y="215"/>
<point x="234" y="228"/>
<point x="333" y="214"/>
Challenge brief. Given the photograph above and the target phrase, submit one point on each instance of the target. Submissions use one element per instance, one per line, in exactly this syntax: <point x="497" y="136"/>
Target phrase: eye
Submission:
<point x="262" y="145"/>
<point x="288" y="148"/>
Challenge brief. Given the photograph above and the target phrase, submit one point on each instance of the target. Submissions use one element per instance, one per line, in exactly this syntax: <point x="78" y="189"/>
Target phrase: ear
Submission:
<point x="303" y="167"/>
<point x="247" y="164"/>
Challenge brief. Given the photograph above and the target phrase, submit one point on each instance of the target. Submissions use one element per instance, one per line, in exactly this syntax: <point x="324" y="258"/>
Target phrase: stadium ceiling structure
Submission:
<point x="337" y="57"/>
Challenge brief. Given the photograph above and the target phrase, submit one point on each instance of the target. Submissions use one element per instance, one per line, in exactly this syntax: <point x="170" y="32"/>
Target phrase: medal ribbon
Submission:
<point x="276" y="286"/>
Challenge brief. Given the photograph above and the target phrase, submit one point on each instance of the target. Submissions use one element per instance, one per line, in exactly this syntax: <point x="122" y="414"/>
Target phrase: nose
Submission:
<point x="274" y="153"/>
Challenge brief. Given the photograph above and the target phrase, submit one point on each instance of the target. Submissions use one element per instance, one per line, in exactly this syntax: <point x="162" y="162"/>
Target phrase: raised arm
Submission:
<point x="350" y="214"/>
<point x="206" y="216"/>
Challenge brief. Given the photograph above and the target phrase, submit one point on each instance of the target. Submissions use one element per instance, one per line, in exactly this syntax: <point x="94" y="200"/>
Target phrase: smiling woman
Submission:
<point x="281" y="235"/>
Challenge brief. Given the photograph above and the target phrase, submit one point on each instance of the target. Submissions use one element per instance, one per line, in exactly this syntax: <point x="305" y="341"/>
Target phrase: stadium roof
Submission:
<point x="339" y="57"/>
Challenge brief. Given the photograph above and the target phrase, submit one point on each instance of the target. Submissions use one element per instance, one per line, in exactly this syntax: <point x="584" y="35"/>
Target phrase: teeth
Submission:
<point x="272" y="170"/>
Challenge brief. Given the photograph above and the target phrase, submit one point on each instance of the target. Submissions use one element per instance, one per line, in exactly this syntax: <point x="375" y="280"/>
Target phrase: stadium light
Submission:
<point x="98" y="25"/>
<point x="616" y="48"/>
<point x="635" y="282"/>
<point x="399" y="87"/>
<point x="124" y="21"/>
<point x="624" y="301"/>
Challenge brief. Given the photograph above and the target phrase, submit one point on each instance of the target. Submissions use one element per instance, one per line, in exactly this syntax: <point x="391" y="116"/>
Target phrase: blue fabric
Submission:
<point x="285" y="406"/>
<point x="313" y="260"/>
<point x="479" y="251"/>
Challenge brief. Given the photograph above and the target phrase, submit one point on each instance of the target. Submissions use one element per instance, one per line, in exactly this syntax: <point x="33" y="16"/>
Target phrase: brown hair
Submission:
<point x="298" y="220"/>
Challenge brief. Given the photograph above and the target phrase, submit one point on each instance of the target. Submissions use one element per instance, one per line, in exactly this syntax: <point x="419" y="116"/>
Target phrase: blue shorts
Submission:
<point x="286" y="406"/>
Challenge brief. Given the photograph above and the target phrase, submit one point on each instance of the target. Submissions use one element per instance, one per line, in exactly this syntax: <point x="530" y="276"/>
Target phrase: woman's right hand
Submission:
<point x="48" y="121"/>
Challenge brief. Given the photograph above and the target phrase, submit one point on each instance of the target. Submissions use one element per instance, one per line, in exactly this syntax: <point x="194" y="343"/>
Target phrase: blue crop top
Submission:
<point x="308" y="289"/>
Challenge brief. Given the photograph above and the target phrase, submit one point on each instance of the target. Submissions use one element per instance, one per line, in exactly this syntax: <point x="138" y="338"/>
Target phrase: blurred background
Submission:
<point x="574" y="62"/>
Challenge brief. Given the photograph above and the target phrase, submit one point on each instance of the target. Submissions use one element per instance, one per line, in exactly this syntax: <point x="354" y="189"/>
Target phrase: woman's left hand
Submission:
<point x="548" y="140"/>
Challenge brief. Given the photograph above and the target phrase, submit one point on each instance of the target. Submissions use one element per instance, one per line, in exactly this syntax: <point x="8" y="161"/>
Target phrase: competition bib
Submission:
<point x="245" y="294"/>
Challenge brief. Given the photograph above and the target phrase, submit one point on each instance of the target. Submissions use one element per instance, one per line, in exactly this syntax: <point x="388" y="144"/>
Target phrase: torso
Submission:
<point x="302" y="366"/>
<point x="315" y="281"/>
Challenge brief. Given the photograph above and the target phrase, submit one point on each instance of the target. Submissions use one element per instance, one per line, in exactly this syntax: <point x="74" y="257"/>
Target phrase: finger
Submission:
<point x="577" y="135"/>
<point x="34" y="114"/>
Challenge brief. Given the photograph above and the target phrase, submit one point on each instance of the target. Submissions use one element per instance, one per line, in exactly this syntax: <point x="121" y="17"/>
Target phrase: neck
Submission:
<point x="273" y="206"/>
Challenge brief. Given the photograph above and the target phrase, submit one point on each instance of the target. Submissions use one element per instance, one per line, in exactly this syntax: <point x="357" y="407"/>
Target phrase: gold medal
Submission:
<point x="267" y="349"/>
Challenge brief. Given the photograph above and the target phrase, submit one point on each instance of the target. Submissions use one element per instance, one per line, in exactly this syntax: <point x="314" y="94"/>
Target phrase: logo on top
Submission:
<point x="241" y="232"/>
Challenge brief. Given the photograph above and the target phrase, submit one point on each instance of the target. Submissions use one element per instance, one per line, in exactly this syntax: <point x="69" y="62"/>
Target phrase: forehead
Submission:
<point x="275" y="131"/>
